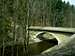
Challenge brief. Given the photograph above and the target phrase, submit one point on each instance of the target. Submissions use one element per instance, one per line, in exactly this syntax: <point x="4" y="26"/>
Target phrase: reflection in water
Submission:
<point x="39" y="47"/>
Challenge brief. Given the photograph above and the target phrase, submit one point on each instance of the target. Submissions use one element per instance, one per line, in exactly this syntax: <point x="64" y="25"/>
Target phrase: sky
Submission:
<point x="72" y="2"/>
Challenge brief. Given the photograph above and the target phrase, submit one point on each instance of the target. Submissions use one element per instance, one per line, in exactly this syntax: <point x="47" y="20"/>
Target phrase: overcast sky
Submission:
<point x="72" y="2"/>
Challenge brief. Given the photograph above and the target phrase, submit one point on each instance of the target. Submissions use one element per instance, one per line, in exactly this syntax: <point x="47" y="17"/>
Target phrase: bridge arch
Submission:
<point x="52" y="34"/>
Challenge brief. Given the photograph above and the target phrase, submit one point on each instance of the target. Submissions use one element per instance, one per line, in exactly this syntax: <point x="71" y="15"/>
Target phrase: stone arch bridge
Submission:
<point x="61" y="34"/>
<point x="55" y="34"/>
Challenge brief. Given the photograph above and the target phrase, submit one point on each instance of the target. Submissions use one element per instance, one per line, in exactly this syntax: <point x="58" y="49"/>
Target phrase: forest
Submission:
<point x="17" y="15"/>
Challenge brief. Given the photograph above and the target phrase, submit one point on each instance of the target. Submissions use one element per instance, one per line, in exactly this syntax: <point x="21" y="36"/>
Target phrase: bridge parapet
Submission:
<point x="52" y="29"/>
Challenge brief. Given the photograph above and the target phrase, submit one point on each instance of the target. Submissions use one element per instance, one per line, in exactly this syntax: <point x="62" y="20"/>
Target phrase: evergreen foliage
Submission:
<point x="15" y="15"/>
